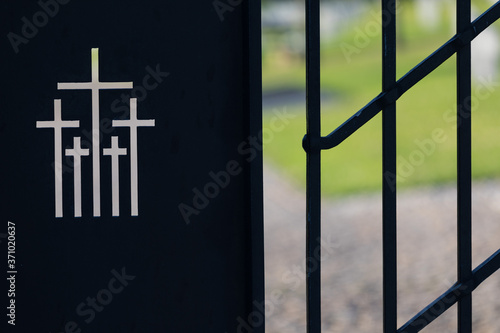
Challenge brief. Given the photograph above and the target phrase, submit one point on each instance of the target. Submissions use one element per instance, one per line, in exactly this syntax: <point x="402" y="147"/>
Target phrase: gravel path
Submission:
<point x="352" y="261"/>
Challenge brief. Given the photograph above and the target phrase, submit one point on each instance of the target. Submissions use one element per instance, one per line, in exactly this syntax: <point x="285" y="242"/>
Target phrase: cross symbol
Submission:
<point x="77" y="152"/>
<point x="115" y="151"/>
<point x="58" y="124"/>
<point x="133" y="123"/>
<point x="95" y="85"/>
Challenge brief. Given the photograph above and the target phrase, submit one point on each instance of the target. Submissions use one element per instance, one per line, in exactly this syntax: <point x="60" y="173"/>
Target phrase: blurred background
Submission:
<point x="351" y="173"/>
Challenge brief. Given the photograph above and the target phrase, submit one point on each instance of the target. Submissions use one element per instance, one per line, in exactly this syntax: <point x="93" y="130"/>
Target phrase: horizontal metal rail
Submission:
<point x="420" y="71"/>
<point x="452" y="295"/>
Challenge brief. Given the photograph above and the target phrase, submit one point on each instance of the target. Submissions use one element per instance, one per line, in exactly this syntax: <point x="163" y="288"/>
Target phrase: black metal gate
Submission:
<point x="392" y="90"/>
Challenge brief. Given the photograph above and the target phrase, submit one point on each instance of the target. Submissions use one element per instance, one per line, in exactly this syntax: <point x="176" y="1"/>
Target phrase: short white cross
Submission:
<point x="57" y="124"/>
<point x="133" y="123"/>
<point x="115" y="151"/>
<point x="77" y="152"/>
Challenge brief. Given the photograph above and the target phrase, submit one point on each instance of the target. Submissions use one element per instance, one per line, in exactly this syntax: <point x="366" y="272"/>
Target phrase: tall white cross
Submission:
<point x="133" y="123"/>
<point x="95" y="85"/>
<point x="77" y="152"/>
<point x="115" y="151"/>
<point x="58" y="124"/>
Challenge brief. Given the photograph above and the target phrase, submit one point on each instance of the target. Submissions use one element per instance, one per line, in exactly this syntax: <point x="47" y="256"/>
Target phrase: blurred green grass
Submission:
<point x="356" y="165"/>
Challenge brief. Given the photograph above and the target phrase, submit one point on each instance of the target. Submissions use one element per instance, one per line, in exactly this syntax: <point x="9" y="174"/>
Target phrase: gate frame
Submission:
<point x="392" y="90"/>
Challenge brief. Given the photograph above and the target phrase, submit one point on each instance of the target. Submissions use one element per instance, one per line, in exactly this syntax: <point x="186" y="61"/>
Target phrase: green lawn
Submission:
<point x="426" y="119"/>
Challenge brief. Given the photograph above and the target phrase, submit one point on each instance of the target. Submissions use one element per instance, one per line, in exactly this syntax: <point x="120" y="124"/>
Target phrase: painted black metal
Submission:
<point x="464" y="200"/>
<point x="392" y="90"/>
<point x="389" y="210"/>
<point x="255" y="197"/>
<point x="205" y="276"/>
<point x="313" y="209"/>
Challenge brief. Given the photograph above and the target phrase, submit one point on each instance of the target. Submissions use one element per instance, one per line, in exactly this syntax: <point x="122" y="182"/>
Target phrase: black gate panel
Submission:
<point x="467" y="278"/>
<point x="130" y="198"/>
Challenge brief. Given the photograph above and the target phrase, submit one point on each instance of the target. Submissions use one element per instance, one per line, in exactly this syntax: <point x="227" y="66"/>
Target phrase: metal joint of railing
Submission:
<point x="406" y="82"/>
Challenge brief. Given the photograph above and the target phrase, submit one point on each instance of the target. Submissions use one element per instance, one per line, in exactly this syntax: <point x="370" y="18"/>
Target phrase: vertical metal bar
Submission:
<point x="253" y="51"/>
<point x="313" y="224"/>
<point x="464" y="227"/>
<point x="389" y="197"/>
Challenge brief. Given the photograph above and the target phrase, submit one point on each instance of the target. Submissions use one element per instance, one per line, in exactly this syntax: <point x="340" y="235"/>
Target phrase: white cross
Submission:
<point x="133" y="123"/>
<point x="58" y="124"/>
<point x="115" y="151"/>
<point x="95" y="85"/>
<point x="77" y="152"/>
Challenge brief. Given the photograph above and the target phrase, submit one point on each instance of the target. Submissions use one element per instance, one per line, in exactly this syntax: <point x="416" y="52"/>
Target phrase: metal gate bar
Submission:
<point x="392" y="90"/>
<point x="389" y="209"/>
<point x="464" y="200"/>
<point x="313" y="227"/>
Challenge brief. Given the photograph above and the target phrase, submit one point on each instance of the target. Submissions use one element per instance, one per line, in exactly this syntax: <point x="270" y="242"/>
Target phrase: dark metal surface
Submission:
<point x="202" y="77"/>
<point x="464" y="200"/>
<point x="313" y="210"/>
<point x="389" y="209"/>
<point x="255" y="196"/>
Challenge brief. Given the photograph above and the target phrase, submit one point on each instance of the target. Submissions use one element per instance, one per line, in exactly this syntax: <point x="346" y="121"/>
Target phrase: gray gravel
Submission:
<point x="352" y="260"/>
